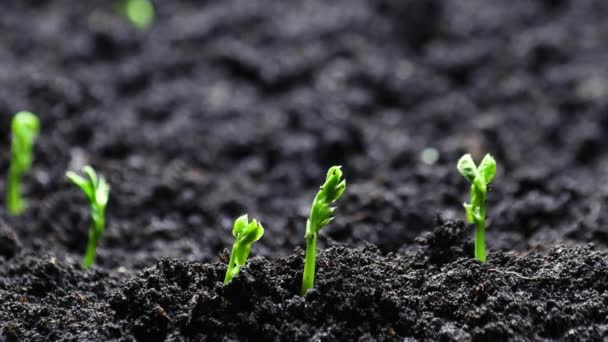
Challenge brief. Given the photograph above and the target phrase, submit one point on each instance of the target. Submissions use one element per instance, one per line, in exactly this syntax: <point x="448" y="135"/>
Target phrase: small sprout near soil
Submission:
<point x="480" y="177"/>
<point x="24" y="129"/>
<point x="139" y="12"/>
<point x="245" y="234"/>
<point x="320" y="215"/>
<point x="97" y="191"/>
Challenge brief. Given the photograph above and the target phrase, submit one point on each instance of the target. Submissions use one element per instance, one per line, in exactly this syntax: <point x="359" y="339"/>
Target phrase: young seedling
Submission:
<point x="320" y="215"/>
<point x="245" y="234"/>
<point x="24" y="129"/>
<point x="480" y="177"/>
<point x="97" y="191"/>
<point x="139" y="12"/>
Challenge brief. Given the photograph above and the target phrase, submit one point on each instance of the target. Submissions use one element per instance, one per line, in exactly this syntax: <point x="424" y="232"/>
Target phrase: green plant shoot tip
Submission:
<point x="245" y="234"/>
<point x="24" y="131"/>
<point x="97" y="191"/>
<point x="480" y="177"/>
<point x="140" y="13"/>
<point x="320" y="215"/>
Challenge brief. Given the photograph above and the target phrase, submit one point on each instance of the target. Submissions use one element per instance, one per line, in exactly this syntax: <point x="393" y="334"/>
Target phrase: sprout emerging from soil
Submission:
<point x="245" y="234"/>
<point x="24" y="129"/>
<point x="320" y="215"/>
<point x="97" y="191"/>
<point x="480" y="177"/>
<point x="139" y="12"/>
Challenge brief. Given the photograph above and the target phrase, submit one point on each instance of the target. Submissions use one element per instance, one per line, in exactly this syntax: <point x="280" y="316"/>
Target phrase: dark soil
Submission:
<point x="360" y="295"/>
<point x="233" y="106"/>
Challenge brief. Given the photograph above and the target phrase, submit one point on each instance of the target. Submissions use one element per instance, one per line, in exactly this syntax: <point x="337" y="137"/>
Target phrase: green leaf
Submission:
<point x="259" y="230"/>
<point x="80" y="182"/>
<point x="333" y="187"/>
<point x="88" y="170"/>
<point x="240" y="225"/>
<point x="252" y="234"/>
<point x="327" y="221"/>
<point x="103" y="192"/>
<point x="466" y="167"/>
<point x="487" y="169"/>
<point x="339" y="190"/>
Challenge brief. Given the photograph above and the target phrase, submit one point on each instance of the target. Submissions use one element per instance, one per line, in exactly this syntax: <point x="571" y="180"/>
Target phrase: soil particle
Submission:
<point x="448" y="241"/>
<point x="9" y="245"/>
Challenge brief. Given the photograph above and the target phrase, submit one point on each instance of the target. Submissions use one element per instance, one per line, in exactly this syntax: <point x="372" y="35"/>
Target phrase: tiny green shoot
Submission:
<point x="97" y="192"/>
<point x="245" y="234"/>
<point x="480" y="177"/>
<point x="320" y="215"/>
<point x="24" y="129"/>
<point x="139" y="12"/>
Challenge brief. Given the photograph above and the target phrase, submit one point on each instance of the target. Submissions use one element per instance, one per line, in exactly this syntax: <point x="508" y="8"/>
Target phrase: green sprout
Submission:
<point x="24" y="128"/>
<point x="97" y="191"/>
<point x="480" y="177"/>
<point x="139" y="12"/>
<point x="320" y="215"/>
<point x="245" y="234"/>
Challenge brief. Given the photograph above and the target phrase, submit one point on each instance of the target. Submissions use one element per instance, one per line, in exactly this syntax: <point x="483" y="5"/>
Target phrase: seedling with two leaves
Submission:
<point x="480" y="177"/>
<point x="97" y="191"/>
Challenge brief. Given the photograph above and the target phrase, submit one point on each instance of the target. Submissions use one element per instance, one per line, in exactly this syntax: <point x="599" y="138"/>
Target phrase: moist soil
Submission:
<point x="240" y="106"/>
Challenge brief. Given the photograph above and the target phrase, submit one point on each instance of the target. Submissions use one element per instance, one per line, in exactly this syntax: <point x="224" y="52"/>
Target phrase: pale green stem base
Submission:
<point x="15" y="204"/>
<point x="308" y="278"/>
<point x="480" y="241"/>
<point x="94" y="236"/>
<point x="91" y="251"/>
<point x="230" y="271"/>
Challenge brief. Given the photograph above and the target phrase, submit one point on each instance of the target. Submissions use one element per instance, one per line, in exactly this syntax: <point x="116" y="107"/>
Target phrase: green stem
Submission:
<point x="230" y="269"/>
<point x="308" y="279"/>
<point x="480" y="229"/>
<point x="91" y="251"/>
<point x="480" y="241"/>
<point x="15" y="203"/>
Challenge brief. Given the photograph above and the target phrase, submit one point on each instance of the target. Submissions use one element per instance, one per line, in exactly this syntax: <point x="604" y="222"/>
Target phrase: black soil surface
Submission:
<point x="230" y="106"/>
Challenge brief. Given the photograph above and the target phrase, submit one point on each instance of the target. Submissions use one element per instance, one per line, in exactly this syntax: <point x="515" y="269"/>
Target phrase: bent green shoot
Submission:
<point x="139" y="12"/>
<point x="245" y="234"/>
<point x="320" y="215"/>
<point x="97" y="192"/>
<point x="480" y="177"/>
<point x="24" y="129"/>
